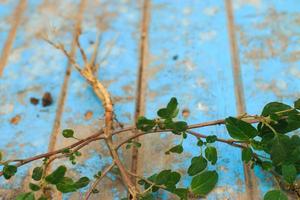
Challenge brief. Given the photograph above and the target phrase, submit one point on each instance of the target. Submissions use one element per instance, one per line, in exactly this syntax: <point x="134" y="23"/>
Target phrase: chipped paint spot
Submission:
<point x="6" y="108"/>
<point x="211" y="11"/>
<point x="202" y="107"/>
<point x="207" y="36"/>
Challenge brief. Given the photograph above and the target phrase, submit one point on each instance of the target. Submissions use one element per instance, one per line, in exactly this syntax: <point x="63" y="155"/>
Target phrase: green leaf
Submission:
<point x="136" y="144"/>
<point x="211" y="138"/>
<point x="200" y="143"/>
<point x="171" y="111"/>
<point x="145" y="124"/>
<point x="163" y="113"/>
<point x="172" y="107"/>
<point x="289" y="173"/>
<point x="203" y="183"/>
<point x="182" y="193"/>
<point x="198" y="164"/>
<point x="37" y="173"/>
<point x="95" y="191"/>
<point x="26" y="196"/>
<point x="57" y="175"/>
<point x="274" y="107"/>
<point x="167" y="178"/>
<point x="82" y="182"/>
<point x="247" y="154"/>
<point x="34" y="187"/>
<point x="179" y="127"/>
<point x="176" y="149"/>
<point x="211" y="154"/>
<point x="1" y="155"/>
<point x="68" y="133"/>
<point x="239" y="129"/>
<point x="66" y="185"/>
<point x="275" y="195"/>
<point x="279" y="146"/>
<point x="297" y="104"/>
<point x="9" y="171"/>
<point x="266" y="165"/>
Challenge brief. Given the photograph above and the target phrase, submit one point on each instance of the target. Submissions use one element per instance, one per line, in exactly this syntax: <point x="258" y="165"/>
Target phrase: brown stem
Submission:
<point x="89" y="192"/>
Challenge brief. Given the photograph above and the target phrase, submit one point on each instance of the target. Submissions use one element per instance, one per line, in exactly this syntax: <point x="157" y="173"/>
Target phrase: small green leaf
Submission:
<point x="57" y="175"/>
<point x="163" y="113"/>
<point x="239" y="129"/>
<point x="289" y="173"/>
<point x="68" y="133"/>
<point x="66" y="185"/>
<point x="26" y="196"/>
<point x="176" y="149"/>
<point x="1" y="155"/>
<point x="37" y="173"/>
<point x="182" y="193"/>
<point x="9" y="171"/>
<point x="172" y="107"/>
<point x="95" y="191"/>
<point x="273" y="107"/>
<point x="200" y="142"/>
<point x="128" y="146"/>
<point x="203" y="183"/>
<point x="99" y="173"/>
<point x="179" y="127"/>
<point x="247" y="154"/>
<point x="145" y="124"/>
<point x="266" y="165"/>
<point x="275" y="195"/>
<point x="82" y="182"/>
<point x="171" y="111"/>
<point x="136" y="144"/>
<point x="297" y="104"/>
<point x="167" y="178"/>
<point x="211" y="138"/>
<point x="198" y="164"/>
<point x="211" y="154"/>
<point x="34" y="187"/>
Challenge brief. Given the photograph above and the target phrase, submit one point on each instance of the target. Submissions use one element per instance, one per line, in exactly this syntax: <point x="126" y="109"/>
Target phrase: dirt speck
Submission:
<point x="34" y="101"/>
<point x="175" y="57"/>
<point x="47" y="99"/>
<point x="88" y="115"/>
<point x="15" y="120"/>
<point x="186" y="112"/>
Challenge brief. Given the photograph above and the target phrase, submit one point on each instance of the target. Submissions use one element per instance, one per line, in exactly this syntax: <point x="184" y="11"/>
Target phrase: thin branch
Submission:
<point x="89" y="192"/>
<point x="95" y="136"/>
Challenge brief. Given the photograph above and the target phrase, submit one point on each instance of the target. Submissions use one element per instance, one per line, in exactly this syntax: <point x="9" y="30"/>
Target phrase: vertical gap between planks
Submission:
<point x="141" y="82"/>
<point x="12" y="34"/>
<point x="64" y="89"/>
<point x="250" y="179"/>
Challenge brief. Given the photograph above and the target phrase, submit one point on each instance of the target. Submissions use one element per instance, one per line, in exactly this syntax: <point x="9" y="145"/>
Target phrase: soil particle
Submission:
<point x="34" y="101"/>
<point x="88" y="115"/>
<point x="186" y="112"/>
<point x="47" y="99"/>
<point x="15" y="120"/>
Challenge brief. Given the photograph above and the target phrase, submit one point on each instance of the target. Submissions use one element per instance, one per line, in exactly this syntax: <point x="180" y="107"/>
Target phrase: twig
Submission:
<point x="89" y="192"/>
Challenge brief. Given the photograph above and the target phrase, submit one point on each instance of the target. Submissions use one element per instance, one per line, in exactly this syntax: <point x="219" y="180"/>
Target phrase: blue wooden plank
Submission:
<point x="118" y="57"/>
<point x="32" y="69"/>
<point x="190" y="60"/>
<point x="267" y="32"/>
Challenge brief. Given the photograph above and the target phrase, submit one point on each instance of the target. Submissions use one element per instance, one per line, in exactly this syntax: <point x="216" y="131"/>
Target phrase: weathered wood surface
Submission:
<point x="218" y="57"/>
